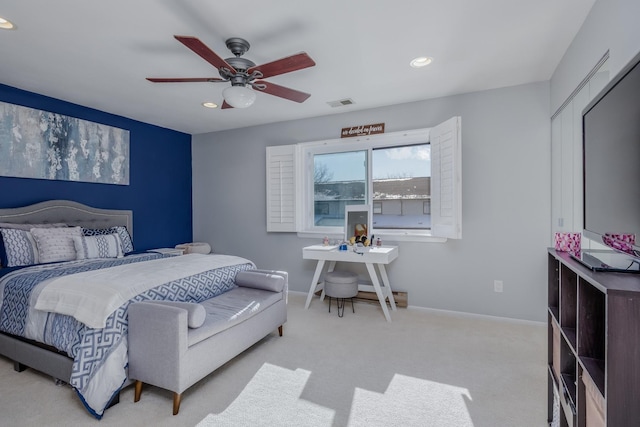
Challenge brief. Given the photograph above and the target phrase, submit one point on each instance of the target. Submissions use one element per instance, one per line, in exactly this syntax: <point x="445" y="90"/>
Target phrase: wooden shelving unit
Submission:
<point x="594" y="328"/>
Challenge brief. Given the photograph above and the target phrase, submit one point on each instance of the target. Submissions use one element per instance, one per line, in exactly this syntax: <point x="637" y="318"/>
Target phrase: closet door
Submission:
<point x="566" y="155"/>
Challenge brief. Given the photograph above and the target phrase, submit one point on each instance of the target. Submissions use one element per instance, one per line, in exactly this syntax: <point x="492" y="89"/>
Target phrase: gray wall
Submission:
<point x="611" y="25"/>
<point x="506" y="183"/>
<point x="505" y="201"/>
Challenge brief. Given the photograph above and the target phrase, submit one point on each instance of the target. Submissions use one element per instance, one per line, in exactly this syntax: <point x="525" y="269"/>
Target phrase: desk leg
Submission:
<point x="387" y="286"/>
<point x="376" y="285"/>
<point x="314" y="282"/>
<point x="332" y="265"/>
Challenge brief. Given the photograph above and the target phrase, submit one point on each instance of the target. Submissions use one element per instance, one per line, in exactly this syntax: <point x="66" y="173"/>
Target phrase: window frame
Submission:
<point x="368" y="144"/>
<point x="285" y="189"/>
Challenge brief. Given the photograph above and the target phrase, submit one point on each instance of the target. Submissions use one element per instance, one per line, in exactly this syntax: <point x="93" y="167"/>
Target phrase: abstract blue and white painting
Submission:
<point x="44" y="145"/>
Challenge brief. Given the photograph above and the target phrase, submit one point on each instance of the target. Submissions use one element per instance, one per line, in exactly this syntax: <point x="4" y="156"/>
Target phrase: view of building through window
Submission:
<point x="339" y="179"/>
<point x="401" y="186"/>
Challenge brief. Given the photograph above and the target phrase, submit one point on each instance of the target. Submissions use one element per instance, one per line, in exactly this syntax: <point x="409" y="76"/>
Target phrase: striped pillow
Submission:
<point x="125" y="237"/>
<point x="105" y="246"/>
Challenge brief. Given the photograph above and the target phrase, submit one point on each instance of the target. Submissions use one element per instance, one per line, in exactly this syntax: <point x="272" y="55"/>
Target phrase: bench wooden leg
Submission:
<point x="280" y="330"/>
<point x="138" y="391"/>
<point x="176" y="403"/>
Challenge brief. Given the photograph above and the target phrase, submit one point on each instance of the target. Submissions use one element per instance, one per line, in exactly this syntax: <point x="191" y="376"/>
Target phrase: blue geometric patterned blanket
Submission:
<point x="100" y="355"/>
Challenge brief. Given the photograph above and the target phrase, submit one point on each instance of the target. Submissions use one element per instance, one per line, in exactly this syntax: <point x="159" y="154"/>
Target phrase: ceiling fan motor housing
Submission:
<point x="237" y="46"/>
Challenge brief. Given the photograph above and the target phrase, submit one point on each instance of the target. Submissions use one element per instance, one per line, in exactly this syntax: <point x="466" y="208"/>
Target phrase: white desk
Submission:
<point x="377" y="255"/>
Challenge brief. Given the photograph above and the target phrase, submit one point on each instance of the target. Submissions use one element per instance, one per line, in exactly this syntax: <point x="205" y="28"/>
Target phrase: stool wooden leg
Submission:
<point x="138" y="391"/>
<point x="280" y="330"/>
<point x="176" y="403"/>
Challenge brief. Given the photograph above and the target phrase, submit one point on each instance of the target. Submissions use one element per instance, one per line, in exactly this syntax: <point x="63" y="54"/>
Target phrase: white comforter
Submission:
<point x="92" y="296"/>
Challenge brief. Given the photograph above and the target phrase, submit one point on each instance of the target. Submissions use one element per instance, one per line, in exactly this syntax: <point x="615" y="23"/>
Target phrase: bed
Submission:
<point x="51" y="317"/>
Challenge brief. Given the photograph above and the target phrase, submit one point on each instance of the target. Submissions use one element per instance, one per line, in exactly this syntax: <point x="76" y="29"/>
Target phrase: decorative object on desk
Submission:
<point x="378" y="242"/>
<point x="359" y="248"/>
<point x="359" y="240"/>
<point x="325" y="241"/>
<point x="195" y="248"/>
<point x="357" y="223"/>
<point x="567" y="242"/>
<point x="621" y="242"/>
<point x="343" y="246"/>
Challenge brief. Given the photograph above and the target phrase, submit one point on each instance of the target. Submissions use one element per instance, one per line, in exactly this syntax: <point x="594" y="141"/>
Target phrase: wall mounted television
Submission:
<point x="611" y="173"/>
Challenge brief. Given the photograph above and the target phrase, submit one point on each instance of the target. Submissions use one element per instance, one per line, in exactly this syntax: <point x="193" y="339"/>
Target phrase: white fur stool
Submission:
<point x="341" y="285"/>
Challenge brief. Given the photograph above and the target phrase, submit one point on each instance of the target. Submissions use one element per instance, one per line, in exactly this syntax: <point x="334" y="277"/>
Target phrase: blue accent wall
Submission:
<point x="159" y="190"/>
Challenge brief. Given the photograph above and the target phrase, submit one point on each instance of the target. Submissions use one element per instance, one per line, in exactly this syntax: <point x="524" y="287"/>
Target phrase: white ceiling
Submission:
<point x="98" y="53"/>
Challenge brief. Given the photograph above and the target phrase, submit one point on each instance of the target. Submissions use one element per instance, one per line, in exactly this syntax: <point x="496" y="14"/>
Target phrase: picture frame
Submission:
<point x="354" y="217"/>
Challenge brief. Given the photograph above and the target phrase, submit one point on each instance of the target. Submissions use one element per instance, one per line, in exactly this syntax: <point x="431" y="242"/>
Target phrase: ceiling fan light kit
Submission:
<point x="243" y="74"/>
<point x="239" y="96"/>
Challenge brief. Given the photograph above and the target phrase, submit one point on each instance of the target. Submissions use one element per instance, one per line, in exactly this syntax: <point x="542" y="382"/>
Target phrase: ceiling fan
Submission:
<point x="243" y="73"/>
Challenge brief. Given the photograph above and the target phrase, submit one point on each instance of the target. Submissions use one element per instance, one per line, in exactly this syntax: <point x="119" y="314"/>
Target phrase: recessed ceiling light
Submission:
<point x="4" y="24"/>
<point x="210" y="104"/>
<point x="421" y="61"/>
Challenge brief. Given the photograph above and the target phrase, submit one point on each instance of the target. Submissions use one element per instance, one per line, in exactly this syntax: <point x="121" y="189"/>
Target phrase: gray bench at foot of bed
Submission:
<point x="165" y="352"/>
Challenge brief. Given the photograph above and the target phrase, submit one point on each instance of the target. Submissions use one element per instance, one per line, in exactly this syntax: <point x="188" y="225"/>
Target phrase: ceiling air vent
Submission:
<point x="341" y="102"/>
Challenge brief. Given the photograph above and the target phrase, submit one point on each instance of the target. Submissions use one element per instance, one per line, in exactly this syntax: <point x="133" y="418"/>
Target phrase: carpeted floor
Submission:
<point x="423" y="369"/>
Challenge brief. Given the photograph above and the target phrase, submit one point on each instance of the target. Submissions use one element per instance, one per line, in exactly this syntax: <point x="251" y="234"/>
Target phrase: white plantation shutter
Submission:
<point x="446" y="180"/>
<point x="281" y="188"/>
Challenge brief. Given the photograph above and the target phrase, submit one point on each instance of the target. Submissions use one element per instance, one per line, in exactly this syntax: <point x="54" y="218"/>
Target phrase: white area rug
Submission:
<point x="272" y="398"/>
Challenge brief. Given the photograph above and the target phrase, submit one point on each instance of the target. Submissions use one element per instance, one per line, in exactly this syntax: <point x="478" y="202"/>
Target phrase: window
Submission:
<point x="410" y="179"/>
<point x="401" y="187"/>
<point x="339" y="179"/>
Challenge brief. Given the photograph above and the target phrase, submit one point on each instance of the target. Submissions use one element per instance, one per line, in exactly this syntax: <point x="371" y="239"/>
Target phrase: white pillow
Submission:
<point x="56" y="244"/>
<point x="104" y="246"/>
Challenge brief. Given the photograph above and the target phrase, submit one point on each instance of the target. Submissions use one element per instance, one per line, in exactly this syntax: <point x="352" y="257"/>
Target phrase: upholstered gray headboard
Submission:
<point x="68" y="212"/>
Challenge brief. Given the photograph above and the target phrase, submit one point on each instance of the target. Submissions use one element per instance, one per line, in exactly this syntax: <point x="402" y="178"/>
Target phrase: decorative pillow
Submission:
<point x="125" y="238"/>
<point x="25" y="227"/>
<point x="20" y="248"/>
<point x="56" y="244"/>
<point x="105" y="246"/>
<point x="196" y="313"/>
<point x="260" y="280"/>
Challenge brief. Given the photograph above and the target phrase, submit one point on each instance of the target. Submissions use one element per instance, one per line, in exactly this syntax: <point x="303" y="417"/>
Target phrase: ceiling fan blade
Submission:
<point x="284" y="65"/>
<point x="282" y="92"/>
<point x="207" y="54"/>
<point x="185" y="80"/>
<point x="225" y="105"/>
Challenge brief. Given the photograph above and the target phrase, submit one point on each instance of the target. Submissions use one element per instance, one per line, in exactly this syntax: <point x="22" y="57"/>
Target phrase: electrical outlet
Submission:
<point x="497" y="285"/>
